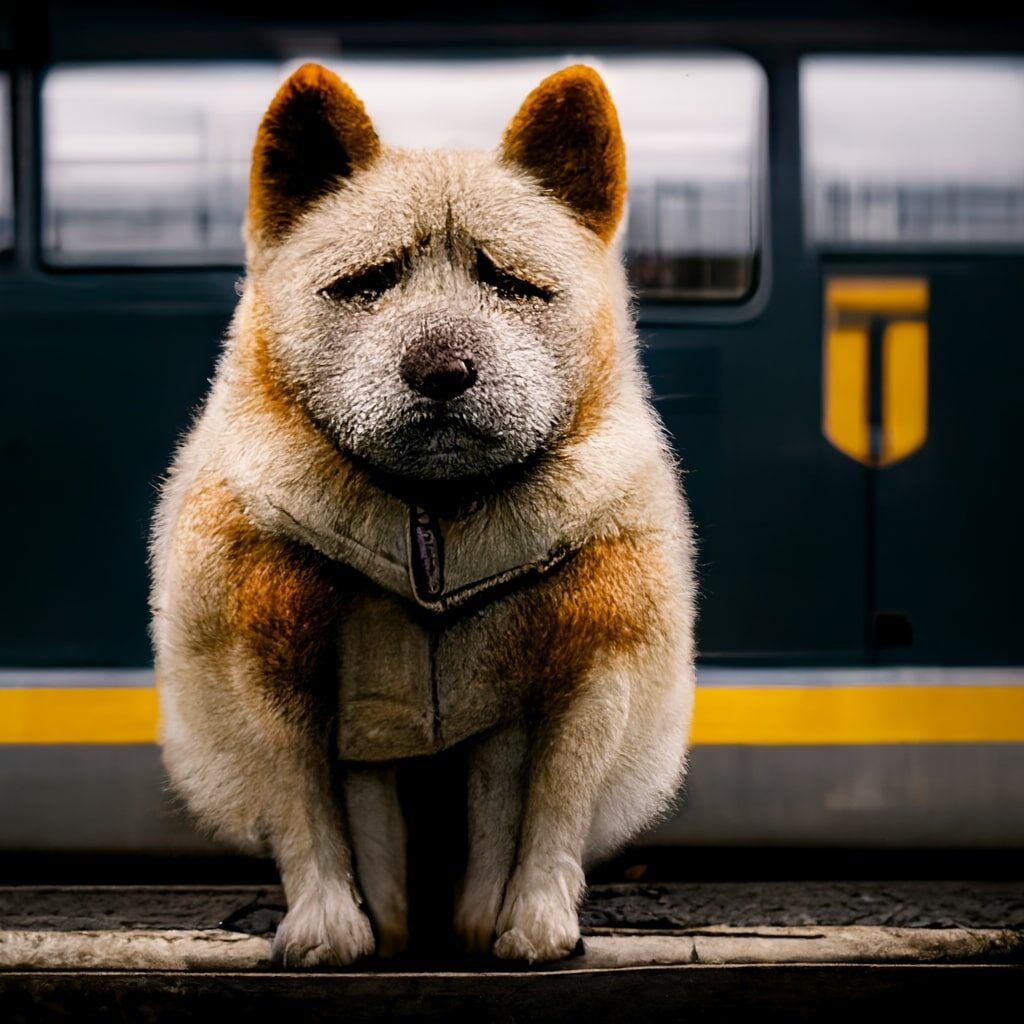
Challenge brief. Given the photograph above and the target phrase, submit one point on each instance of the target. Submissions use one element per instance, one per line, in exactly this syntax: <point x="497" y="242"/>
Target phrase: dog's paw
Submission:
<point x="539" y="942"/>
<point x="538" y="921"/>
<point x="476" y="915"/>
<point x="324" y="929"/>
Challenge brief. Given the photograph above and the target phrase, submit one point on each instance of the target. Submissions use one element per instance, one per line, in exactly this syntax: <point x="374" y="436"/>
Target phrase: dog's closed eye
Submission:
<point x="365" y="285"/>
<point x="508" y="286"/>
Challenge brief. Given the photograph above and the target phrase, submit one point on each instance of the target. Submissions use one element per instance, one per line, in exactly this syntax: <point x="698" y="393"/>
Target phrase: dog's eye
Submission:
<point x="365" y="285"/>
<point x="507" y="285"/>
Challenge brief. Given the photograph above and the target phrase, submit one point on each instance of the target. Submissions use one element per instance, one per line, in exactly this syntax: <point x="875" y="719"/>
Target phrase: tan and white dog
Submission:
<point x="427" y="502"/>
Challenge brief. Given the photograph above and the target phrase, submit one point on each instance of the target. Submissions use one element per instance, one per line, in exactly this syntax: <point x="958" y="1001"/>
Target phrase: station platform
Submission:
<point x="653" y="952"/>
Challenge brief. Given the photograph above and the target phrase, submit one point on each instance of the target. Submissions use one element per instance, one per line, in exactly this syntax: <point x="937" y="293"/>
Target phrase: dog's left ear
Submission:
<point x="566" y="135"/>
<point x="315" y="133"/>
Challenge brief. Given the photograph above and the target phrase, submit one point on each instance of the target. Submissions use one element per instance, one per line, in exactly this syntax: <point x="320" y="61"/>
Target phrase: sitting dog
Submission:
<point x="427" y="502"/>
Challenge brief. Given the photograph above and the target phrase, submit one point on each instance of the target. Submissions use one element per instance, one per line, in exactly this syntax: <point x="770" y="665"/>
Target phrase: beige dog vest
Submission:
<point x="406" y="685"/>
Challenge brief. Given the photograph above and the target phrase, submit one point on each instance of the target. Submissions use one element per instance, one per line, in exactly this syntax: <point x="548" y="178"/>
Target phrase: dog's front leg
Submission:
<point x="378" y="836"/>
<point x="244" y="628"/>
<point x="248" y="750"/>
<point x="324" y="923"/>
<point x="495" y="789"/>
<point x="569" y="758"/>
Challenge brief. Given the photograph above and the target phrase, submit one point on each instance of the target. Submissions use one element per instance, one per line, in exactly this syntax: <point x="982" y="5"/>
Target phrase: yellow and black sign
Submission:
<point x="875" y="367"/>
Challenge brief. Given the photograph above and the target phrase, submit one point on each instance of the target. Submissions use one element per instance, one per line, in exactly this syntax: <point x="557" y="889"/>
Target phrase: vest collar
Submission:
<point x="438" y="563"/>
<point x="585" y="488"/>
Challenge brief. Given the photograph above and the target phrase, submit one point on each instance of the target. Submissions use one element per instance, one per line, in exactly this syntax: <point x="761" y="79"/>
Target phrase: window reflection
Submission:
<point x="147" y="165"/>
<point x="913" y="151"/>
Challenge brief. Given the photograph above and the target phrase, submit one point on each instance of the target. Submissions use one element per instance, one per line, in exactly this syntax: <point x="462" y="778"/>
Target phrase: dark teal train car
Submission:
<point x="826" y="240"/>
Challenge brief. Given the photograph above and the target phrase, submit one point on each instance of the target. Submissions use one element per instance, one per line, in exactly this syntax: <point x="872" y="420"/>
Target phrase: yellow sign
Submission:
<point x="875" y="367"/>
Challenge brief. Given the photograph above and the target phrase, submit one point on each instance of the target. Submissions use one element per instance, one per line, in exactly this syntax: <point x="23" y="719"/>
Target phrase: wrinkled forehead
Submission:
<point x="411" y="198"/>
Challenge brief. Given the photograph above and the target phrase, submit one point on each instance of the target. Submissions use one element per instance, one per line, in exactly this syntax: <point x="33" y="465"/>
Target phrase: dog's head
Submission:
<point x="441" y="315"/>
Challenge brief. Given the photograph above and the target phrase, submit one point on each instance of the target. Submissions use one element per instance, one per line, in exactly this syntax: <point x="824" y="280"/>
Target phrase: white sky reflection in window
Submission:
<point x="146" y="165"/>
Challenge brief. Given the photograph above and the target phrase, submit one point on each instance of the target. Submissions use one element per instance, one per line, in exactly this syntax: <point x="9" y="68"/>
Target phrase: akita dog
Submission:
<point x="427" y="502"/>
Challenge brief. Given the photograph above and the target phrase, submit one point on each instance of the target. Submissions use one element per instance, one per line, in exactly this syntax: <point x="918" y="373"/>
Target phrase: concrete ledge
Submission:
<point x="219" y="950"/>
<point x="229" y="929"/>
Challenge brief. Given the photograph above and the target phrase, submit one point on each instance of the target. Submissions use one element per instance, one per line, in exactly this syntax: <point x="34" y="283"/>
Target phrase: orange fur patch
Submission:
<point x="314" y="133"/>
<point x="600" y="602"/>
<point x="283" y="600"/>
<point x="567" y="136"/>
<point x="268" y="385"/>
<point x="268" y="391"/>
<point x="274" y="600"/>
<point x="596" y="392"/>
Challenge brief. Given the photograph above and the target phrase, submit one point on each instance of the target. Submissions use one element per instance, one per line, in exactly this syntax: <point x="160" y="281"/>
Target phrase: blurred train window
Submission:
<point x="6" y="167"/>
<point x="922" y="152"/>
<point x="146" y="165"/>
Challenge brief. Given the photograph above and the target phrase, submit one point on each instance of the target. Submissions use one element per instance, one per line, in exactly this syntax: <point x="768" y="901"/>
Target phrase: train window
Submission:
<point x="6" y="167"/>
<point x="146" y="165"/>
<point x="913" y="151"/>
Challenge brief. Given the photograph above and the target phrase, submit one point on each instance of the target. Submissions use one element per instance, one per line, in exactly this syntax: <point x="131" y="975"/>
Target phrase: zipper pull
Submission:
<point x="427" y="554"/>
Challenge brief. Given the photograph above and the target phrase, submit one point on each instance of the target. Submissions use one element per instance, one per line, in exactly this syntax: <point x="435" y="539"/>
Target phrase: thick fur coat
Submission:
<point x="427" y="502"/>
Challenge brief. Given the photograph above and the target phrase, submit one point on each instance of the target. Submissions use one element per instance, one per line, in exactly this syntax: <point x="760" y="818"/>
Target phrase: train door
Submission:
<point x="949" y="556"/>
<point x="914" y="191"/>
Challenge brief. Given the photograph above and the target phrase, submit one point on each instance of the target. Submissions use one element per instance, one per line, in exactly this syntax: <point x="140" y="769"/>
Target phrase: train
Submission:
<point x="825" y="241"/>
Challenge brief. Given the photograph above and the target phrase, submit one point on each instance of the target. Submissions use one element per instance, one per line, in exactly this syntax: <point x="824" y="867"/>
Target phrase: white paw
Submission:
<point x="476" y="914"/>
<point x="538" y="920"/>
<point x="539" y="942"/>
<point x="324" y="928"/>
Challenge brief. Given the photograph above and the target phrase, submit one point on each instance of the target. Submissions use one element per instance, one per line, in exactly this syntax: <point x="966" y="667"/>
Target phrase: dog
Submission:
<point x="427" y="502"/>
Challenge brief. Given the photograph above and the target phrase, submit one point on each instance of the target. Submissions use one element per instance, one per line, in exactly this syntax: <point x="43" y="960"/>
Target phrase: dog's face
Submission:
<point x="437" y="313"/>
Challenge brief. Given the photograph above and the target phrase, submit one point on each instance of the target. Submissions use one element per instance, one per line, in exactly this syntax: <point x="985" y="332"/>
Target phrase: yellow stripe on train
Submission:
<point x="114" y="714"/>
<point x="755" y="715"/>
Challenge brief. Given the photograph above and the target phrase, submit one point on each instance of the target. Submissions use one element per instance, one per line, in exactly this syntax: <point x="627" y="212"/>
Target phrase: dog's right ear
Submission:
<point x="314" y="133"/>
<point x="567" y="137"/>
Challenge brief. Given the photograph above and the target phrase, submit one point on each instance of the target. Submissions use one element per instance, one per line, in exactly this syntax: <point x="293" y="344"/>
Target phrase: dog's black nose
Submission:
<point x="440" y="376"/>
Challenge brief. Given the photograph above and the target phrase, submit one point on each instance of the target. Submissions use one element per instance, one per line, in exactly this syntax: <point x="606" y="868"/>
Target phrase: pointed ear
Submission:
<point x="314" y="133"/>
<point x="566" y="135"/>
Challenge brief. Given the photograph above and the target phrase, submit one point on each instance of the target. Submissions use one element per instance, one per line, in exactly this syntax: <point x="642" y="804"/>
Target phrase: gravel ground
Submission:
<point x="654" y="907"/>
<point x="741" y="904"/>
